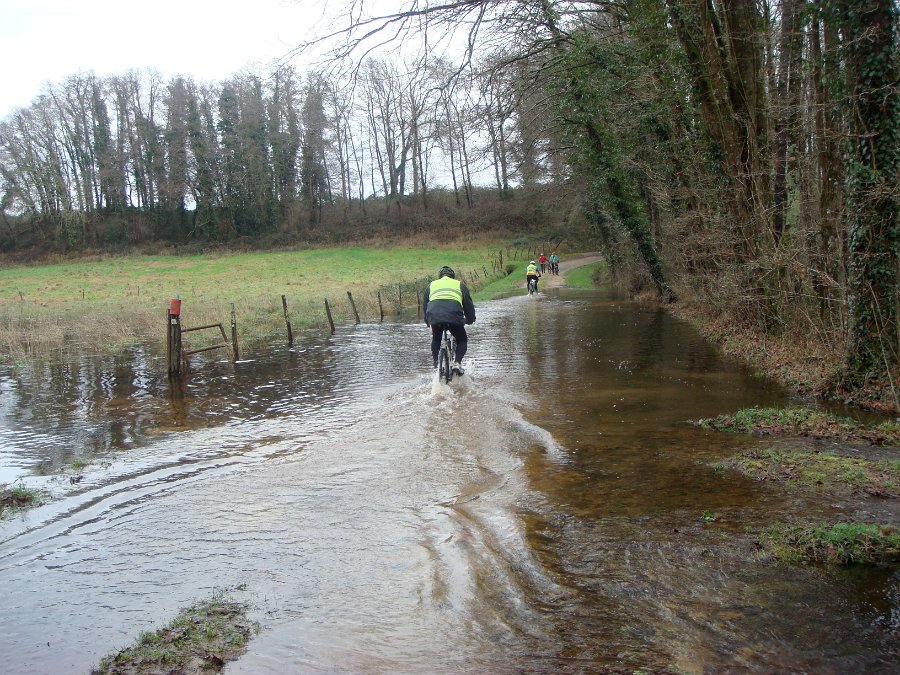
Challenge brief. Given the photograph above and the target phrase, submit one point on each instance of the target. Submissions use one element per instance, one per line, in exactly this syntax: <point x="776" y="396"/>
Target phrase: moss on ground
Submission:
<point x="838" y="544"/>
<point x="822" y="472"/>
<point x="816" y="468"/>
<point x="800" y="421"/>
<point x="201" y="639"/>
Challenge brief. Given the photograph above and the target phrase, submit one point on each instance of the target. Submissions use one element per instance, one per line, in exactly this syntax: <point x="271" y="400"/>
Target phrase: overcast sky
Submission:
<point x="46" y="40"/>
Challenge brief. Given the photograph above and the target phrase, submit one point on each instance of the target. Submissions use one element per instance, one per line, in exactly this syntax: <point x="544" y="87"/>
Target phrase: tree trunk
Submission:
<point x="787" y="81"/>
<point x="873" y="160"/>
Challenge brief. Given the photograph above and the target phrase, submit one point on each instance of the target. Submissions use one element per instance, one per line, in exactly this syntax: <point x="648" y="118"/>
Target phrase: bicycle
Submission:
<point x="532" y="285"/>
<point x="446" y="356"/>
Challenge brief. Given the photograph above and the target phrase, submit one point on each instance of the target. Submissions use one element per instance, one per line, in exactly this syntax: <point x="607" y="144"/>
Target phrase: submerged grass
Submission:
<point x="838" y="544"/>
<point x="800" y="421"/>
<point x="825" y="469"/>
<point x="105" y="304"/>
<point x="201" y="639"/>
<point x="16" y="497"/>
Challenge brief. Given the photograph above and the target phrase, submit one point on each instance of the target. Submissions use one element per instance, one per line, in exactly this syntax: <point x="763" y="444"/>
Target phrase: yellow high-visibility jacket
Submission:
<point x="447" y="300"/>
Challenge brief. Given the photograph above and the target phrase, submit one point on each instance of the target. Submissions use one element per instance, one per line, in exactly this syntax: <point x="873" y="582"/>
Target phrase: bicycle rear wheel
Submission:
<point x="451" y="354"/>
<point x="444" y="372"/>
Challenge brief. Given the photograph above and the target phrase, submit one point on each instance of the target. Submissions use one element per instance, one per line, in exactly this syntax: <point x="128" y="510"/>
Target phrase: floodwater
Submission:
<point x="542" y="514"/>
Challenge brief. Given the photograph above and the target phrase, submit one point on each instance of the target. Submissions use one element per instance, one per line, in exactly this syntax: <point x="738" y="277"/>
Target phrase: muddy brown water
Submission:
<point x="543" y="514"/>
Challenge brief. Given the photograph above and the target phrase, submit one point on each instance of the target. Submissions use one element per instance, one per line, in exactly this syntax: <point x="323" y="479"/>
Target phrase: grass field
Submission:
<point x="108" y="303"/>
<point x="154" y="279"/>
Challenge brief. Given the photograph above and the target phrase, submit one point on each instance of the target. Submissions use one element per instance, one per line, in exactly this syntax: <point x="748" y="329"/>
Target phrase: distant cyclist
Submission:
<point x="554" y="263"/>
<point x="532" y="274"/>
<point x="448" y="306"/>
<point x="543" y="261"/>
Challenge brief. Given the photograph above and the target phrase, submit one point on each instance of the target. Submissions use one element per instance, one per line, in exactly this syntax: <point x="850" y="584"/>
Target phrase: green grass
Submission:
<point x="583" y="277"/>
<point x="801" y="421"/>
<point x="837" y="544"/>
<point x="201" y="638"/>
<point x="825" y="469"/>
<point x="42" y="313"/>
<point x="512" y="284"/>
<point x="231" y="276"/>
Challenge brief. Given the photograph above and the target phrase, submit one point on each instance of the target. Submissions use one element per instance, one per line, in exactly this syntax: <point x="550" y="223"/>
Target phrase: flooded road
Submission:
<point x="543" y="514"/>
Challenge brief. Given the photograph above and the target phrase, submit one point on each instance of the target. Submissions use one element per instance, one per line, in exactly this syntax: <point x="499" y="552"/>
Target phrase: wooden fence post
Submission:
<point x="234" y="340"/>
<point x="501" y="257"/>
<point x="173" y="337"/>
<point x="328" y="312"/>
<point x="380" y="307"/>
<point x="418" y="305"/>
<point x="287" y="321"/>
<point x="353" y="305"/>
<point x="399" y="298"/>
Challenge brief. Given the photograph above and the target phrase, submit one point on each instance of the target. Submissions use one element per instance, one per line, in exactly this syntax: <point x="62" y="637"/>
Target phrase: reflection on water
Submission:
<point x="542" y="514"/>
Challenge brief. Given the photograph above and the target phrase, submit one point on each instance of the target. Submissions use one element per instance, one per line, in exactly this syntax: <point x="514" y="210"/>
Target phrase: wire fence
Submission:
<point x="402" y="298"/>
<point x="397" y="300"/>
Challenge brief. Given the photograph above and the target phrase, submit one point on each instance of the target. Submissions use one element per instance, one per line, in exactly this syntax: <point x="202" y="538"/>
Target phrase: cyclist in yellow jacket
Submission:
<point x="532" y="274"/>
<point x="449" y="305"/>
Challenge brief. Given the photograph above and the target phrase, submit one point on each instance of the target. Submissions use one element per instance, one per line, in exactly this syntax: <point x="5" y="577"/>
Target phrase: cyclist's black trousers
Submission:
<point x="458" y="331"/>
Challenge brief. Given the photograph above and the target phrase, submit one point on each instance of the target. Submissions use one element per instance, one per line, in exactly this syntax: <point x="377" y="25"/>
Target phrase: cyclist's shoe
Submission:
<point x="456" y="368"/>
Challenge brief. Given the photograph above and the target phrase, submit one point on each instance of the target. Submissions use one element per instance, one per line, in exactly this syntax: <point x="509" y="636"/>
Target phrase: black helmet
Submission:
<point x="447" y="272"/>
